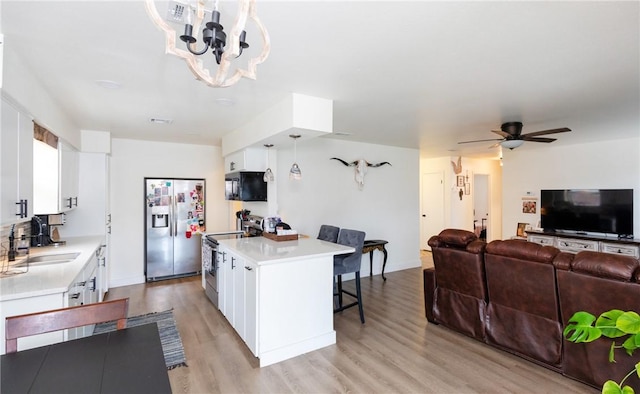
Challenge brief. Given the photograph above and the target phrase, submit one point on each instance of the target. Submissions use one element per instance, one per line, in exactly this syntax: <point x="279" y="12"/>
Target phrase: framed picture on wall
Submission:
<point x="460" y="181"/>
<point x="520" y="232"/>
<point x="529" y="205"/>
<point x="467" y="188"/>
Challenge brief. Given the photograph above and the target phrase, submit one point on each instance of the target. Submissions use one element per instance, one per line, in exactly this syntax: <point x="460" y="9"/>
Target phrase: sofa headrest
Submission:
<point x="457" y="237"/>
<point x="523" y="250"/>
<point x="606" y="265"/>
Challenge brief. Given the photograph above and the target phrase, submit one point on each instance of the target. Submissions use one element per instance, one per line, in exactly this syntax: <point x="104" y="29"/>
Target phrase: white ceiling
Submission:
<point x="416" y="74"/>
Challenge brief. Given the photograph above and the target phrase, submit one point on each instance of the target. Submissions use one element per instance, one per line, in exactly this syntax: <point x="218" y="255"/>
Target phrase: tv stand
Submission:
<point x="575" y="242"/>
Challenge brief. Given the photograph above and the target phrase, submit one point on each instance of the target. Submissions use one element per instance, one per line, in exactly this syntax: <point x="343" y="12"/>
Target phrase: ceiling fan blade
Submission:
<point x="502" y="133"/>
<point x="537" y="139"/>
<point x="492" y="139"/>
<point x="544" y="132"/>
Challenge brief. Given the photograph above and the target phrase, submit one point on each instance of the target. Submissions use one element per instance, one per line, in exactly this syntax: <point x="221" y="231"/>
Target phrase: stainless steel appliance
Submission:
<point x="174" y="223"/>
<point x="211" y="262"/>
<point x="251" y="225"/>
<point x="245" y="186"/>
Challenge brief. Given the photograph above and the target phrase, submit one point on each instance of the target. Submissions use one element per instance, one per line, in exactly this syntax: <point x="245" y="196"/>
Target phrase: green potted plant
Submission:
<point x="614" y="324"/>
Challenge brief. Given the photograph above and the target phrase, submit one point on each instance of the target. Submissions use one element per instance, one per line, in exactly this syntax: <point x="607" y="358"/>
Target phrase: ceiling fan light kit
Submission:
<point x="511" y="144"/>
<point x="512" y="137"/>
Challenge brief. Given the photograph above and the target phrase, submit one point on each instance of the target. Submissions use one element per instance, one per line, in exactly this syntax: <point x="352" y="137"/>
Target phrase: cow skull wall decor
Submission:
<point x="361" y="168"/>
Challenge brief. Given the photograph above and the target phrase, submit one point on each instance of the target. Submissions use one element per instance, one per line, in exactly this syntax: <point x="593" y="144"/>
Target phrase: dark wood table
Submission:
<point x="124" y="361"/>
<point x="369" y="246"/>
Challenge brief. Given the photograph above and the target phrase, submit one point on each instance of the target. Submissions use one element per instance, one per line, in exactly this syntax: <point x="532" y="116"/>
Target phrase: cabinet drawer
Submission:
<point x="540" y="239"/>
<point x="627" y="250"/>
<point x="576" y="245"/>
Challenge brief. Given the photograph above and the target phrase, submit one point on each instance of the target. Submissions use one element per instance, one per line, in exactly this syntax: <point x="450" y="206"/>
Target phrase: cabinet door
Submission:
<point x="227" y="289"/>
<point x="69" y="164"/>
<point x="238" y="318"/>
<point x="251" y="306"/>
<point x="25" y="165"/>
<point x="8" y="163"/>
<point x="45" y="179"/>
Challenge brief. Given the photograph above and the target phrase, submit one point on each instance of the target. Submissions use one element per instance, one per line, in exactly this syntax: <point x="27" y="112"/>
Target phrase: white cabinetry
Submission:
<point x="236" y="295"/>
<point x="567" y="243"/>
<point x="69" y="167"/>
<point x="250" y="159"/>
<point x="251" y="306"/>
<point x="83" y="291"/>
<point x="16" y="165"/>
<point x="541" y="239"/>
<point x="93" y="216"/>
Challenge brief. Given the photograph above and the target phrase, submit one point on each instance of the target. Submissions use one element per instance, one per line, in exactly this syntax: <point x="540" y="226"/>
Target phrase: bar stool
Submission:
<point x="348" y="263"/>
<point x="329" y="233"/>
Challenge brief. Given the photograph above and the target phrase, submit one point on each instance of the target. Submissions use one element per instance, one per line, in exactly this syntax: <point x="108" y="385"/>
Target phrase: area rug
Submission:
<point x="169" y="335"/>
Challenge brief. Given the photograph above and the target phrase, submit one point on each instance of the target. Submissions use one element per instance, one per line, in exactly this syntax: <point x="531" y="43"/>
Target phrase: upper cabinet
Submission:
<point x="69" y="164"/>
<point x="249" y="159"/>
<point x="16" y="165"/>
<point x="55" y="177"/>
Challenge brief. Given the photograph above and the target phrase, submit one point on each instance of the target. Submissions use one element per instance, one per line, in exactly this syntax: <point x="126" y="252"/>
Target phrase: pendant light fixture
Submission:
<point x="268" y="174"/>
<point x="295" y="172"/>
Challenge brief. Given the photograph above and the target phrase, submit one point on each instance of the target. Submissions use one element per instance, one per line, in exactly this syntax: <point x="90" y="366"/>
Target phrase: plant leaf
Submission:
<point x="611" y="387"/>
<point x="631" y="344"/>
<point x="627" y="390"/>
<point x="607" y="322"/>
<point x="629" y="323"/>
<point x="638" y="369"/>
<point x="580" y="328"/>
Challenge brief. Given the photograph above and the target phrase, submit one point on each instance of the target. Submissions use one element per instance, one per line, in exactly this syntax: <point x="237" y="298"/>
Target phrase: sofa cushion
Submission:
<point x="605" y="265"/>
<point x="456" y="237"/>
<point x="523" y="250"/>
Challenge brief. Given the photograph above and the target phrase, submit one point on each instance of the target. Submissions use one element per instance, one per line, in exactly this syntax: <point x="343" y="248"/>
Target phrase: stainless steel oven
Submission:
<point x="210" y="262"/>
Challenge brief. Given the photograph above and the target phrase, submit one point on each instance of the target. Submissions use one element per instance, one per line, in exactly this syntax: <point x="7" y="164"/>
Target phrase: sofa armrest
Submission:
<point x="429" y="277"/>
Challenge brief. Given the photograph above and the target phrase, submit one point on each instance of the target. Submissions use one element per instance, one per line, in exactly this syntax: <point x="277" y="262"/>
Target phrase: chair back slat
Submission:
<point x="64" y="318"/>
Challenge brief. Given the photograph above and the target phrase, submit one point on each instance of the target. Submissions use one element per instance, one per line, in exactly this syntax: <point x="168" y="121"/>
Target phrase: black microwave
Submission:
<point x="245" y="186"/>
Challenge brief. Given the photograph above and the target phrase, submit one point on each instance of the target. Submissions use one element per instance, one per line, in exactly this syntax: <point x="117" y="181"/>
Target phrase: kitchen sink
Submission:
<point x="46" y="259"/>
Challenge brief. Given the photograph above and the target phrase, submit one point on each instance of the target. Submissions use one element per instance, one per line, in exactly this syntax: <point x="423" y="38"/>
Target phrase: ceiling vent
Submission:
<point x="160" y="120"/>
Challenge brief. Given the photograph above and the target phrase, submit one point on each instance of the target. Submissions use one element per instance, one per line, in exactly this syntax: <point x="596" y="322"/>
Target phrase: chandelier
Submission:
<point x="214" y="38"/>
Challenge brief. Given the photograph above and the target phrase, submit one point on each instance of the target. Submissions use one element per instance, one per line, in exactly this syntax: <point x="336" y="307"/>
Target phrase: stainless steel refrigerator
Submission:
<point x="174" y="223"/>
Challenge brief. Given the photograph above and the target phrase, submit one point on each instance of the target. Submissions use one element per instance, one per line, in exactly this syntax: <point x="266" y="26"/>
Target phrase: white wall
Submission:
<point x="131" y="162"/>
<point x="386" y="208"/>
<point x="459" y="213"/>
<point x="604" y="165"/>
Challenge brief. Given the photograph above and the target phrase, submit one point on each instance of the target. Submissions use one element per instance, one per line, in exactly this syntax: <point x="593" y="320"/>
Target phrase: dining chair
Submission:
<point x="62" y="319"/>
<point x="329" y="233"/>
<point x="348" y="263"/>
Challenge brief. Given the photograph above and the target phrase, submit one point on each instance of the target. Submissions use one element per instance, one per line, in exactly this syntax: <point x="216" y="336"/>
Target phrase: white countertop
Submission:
<point x="54" y="278"/>
<point x="265" y="251"/>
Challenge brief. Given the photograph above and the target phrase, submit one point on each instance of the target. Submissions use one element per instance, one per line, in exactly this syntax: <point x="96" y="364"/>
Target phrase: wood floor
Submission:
<point x="396" y="351"/>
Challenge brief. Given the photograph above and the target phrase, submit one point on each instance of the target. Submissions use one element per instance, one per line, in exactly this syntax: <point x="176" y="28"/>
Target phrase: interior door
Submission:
<point x="432" y="203"/>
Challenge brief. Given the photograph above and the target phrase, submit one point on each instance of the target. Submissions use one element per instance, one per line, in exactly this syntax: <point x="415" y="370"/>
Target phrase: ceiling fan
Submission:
<point x="512" y="137"/>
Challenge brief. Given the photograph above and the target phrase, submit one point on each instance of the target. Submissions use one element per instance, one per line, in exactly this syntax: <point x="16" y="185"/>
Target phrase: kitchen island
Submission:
<point x="278" y="296"/>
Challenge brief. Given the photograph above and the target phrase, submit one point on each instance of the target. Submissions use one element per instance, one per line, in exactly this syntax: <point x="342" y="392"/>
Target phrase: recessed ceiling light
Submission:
<point x="160" y="120"/>
<point x="104" y="83"/>
<point x="225" y="102"/>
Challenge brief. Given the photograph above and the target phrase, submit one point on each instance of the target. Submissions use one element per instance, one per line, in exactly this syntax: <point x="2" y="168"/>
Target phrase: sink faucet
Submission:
<point x="11" y="255"/>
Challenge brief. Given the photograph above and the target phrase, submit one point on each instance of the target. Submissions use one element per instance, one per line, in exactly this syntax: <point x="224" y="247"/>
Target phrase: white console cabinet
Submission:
<point x="574" y="243"/>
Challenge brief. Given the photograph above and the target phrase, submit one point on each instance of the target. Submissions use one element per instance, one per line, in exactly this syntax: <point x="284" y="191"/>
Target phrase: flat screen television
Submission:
<point x="608" y="211"/>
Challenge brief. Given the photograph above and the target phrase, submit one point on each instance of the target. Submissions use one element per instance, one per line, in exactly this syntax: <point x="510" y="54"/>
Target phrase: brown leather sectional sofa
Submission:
<point x="518" y="296"/>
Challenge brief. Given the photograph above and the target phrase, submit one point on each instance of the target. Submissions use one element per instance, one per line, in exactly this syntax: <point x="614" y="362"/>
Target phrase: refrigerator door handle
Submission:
<point x="174" y="208"/>
<point x="171" y="218"/>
